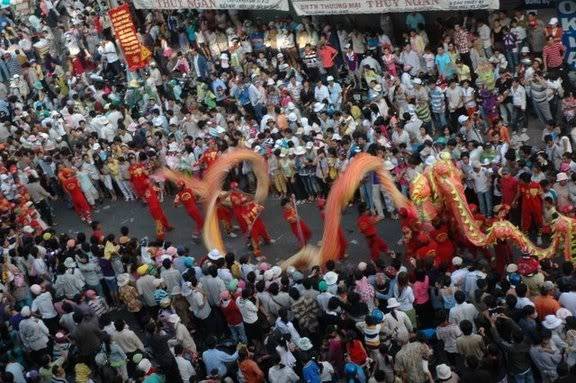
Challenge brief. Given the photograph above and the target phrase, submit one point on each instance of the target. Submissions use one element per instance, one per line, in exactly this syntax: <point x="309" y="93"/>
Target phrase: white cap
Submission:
<point x="215" y="255"/>
<point x="330" y="78"/>
<point x="25" y="312"/>
<point x="553" y="21"/>
<point x="457" y="261"/>
<point x="462" y="119"/>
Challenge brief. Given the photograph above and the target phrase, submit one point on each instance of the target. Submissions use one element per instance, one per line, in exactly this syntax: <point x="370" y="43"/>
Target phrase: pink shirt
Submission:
<point x="421" y="291"/>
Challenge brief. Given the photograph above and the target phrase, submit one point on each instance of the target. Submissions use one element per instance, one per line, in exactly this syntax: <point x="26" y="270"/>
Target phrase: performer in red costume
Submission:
<point x="300" y="230"/>
<point x="186" y="197"/>
<point x="409" y="225"/>
<point x="224" y="213"/>
<point x="502" y="250"/>
<point x="157" y="213"/>
<point x="367" y="225"/>
<point x="258" y="231"/>
<point x="209" y="156"/>
<point x="138" y="177"/>
<point x="71" y="185"/>
<point x="530" y="196"/>
<point x="445" y="247"/>
<point x="238" y="200"/>
<point x="428" y="249"/>
<point x="508" y="186"/>
<point x="343" y="244"/>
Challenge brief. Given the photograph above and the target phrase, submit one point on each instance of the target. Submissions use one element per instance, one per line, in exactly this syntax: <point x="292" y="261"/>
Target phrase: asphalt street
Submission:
<point x="114" y="215"/>
<point x="134" y="215"/>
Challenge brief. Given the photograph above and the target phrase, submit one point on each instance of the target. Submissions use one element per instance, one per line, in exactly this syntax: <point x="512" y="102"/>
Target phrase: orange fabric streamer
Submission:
<point x="210" y="187"/>
<point x="342" y="192"/>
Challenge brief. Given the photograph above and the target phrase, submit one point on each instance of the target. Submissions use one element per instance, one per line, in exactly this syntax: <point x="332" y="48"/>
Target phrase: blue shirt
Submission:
<point x="311" y="372"/>
<point x="216" y="360"/>
<point x="360" y="376"/>
<point x="412" y="20"/>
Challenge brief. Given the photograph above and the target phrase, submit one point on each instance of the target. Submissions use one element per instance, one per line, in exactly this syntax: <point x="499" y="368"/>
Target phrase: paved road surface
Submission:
<point x="114" y="215"/>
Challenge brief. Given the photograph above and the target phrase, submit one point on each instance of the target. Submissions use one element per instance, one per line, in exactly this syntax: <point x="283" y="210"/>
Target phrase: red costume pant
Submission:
<point x="377" y="246"/>
<point x="238" y="212"/>
<point x="159" y="219"/>
<point x="196" y="215"/>
<point x="224" y="214"/>
<point x="531" y="216"/>
<point x="342" y="243"/>
<point x="303" y="234"/>
<point x="503" y="254"/>
<point x="81" y="206"/>
<point x="257" y="233"/>
<point x="140" y="186"/>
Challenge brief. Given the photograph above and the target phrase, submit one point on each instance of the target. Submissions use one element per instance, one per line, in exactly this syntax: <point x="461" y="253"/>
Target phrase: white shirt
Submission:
<point x="481" y="180"/>
<point x="248" y="310"/>
<point x="185" y="368"/>
<point x="484" y="32"/>
<point x="44" y="304"/>
<point x="523" y="302"/>
<point x="458" y="276"/>
<point x="109" y="51"/>
<point x="464" y="311"/>
<point x="568" y="301"/>
<point x="518" y="97"/>
<point x="321" y="93"/>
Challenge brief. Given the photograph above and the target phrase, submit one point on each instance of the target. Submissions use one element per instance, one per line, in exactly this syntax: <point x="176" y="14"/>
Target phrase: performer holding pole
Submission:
<point x="157" y="213"/>
<point x="300" y="230"/>
<point x="367" y="225"/>
<point x="186" y="197"/>
<point x="72" y="186"/>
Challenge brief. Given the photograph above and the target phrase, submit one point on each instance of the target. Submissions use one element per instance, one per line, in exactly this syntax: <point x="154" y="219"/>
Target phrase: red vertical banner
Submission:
<point x="135" y="54"/>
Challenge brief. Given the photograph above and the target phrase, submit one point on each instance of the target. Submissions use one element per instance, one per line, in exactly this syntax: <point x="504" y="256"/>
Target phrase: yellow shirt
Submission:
<point x="463" y="72"/>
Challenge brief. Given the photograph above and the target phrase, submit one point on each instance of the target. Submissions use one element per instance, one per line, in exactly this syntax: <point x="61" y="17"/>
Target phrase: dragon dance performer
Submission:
<point x="139" y="177"/>
<point x="72" y="186"/>
<point x="238" y="199"/>
<point x="186" y="197"/>
<point x="530" y="197"/>
<point x="224" y="213"/>
<point x="300" y="230"/>
<point x="502" y="250"/>
<point x="343" y="244"/>
<point x="427" y="247"/>
<point x="463" y="240"/>
<point x="409" y="225"/>
<point x="160" y="220"/>
<point x="445" y="248"/>
<point x="209" y="156"/>
<point x="257" y="230"/>
<point x="367" y="225"/>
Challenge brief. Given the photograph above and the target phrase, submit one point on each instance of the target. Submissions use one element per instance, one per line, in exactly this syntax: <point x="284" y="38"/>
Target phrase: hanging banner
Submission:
<point x="136" y="54"/>
<point x="567" y="18"/>
<point x="533" y="4"/>
<point x="340" y="7"/>
<point x="277" y="5"/>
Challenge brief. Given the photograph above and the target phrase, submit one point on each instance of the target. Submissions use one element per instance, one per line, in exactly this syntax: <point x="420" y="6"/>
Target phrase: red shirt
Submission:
<point x="367" y="225"/>
<point x="232" y="313"/>
<point x="531" y="195"/>
<point x="553" y="55"/>
<point x="508" y="188"/>
<point x="327" y="55"/>
<point x="289" y="214"/>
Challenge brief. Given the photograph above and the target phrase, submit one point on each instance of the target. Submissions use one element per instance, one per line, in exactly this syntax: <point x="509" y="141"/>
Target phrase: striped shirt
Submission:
<point x="438" y="101"/>
<point x="554" y="55"/>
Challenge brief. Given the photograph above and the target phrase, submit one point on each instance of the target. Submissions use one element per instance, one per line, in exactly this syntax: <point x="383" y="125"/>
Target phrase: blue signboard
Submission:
<point x="567" y="17"/>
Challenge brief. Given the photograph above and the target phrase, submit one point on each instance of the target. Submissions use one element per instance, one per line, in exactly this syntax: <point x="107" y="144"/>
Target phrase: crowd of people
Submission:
<point x="308" y="96"/>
